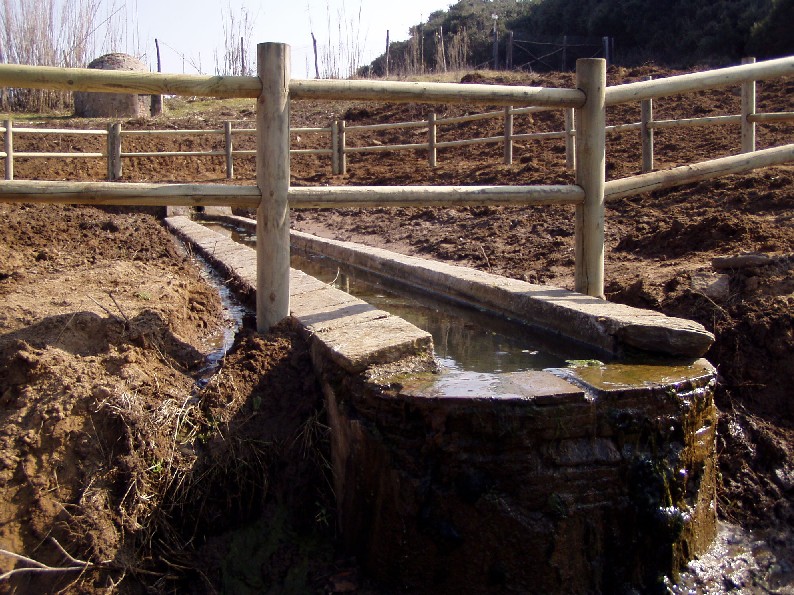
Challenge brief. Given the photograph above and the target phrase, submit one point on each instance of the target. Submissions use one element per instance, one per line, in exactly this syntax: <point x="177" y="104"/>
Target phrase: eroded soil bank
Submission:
<point x="111" y="449"/>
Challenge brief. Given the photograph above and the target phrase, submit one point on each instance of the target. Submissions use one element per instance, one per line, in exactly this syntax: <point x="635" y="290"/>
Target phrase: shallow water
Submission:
<point x="472" y="346"/>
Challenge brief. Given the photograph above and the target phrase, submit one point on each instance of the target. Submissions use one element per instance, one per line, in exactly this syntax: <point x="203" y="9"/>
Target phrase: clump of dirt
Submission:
<point x="111" y="449"/>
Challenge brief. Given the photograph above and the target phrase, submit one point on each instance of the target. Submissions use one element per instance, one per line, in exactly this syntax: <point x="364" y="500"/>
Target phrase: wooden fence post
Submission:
<point x="272" y="178"/>
<point x="335" y="147"/>
<point x="748" y="109"/>
<point x="227" y="133"/>
<point x="432" y="150"/>
<point x="9" y="149"/>
<point x="509" y="135"/>
<point x="341" y="140"/>
<point x="570" y="138"/>
<point x="646" y="133"/>
<point x="114" y="152"/>
<point x="591" y="175"/>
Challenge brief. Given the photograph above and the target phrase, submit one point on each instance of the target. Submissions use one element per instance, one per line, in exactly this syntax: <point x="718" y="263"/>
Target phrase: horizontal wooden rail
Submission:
<point x="386" y="126"/>
<point x="18" y="129"/>
<point x="538" y="135"/>
<point x="303" y="152"/>
<point x="697" y="172"/>
<point x="623" y="127"/>
<point x="173" y="154"/>
<point x="335" y="197"/>
<point x="685" y="122"/>
<point x="135" y="194"/>
<point x="387" y="148"/>
<point x="169" y="132"/>
<point x="33" y="155"/>
<point x="138" y="194"/>
<point x="470" y="141"/>
<point x="301" y="130"/>
<point x="414" y="92"/>
<point x="773" y="117"/>
<point x="699" y="81"/>
<point x="114" y="81"/>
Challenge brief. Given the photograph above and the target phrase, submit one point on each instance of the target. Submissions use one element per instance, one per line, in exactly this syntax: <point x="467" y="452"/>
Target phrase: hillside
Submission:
<point x="641" y="31"/>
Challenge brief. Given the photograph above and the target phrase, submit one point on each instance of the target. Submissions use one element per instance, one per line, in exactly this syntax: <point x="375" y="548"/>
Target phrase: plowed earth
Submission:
<point x="116" y="446"/>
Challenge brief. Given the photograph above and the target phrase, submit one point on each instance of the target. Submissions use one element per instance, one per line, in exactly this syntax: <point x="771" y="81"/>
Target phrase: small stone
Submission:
<point x="717" y="287"/>
<point x="740" y="261"/>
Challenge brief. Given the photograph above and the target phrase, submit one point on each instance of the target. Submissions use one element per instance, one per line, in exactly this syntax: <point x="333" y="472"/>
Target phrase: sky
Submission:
<point x="190" y="32"/>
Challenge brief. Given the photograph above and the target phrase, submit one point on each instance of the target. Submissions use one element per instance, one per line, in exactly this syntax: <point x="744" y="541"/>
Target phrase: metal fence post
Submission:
<point x="748" y="109"/>
<point x="272" y="178"/>
<point x="9" y="149"/>
<point x="646" y="133"/>
<point x="591" y="175"/>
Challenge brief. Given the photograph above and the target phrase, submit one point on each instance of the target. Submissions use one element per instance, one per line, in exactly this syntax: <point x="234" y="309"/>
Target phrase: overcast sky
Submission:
<point x="190" y="31"/>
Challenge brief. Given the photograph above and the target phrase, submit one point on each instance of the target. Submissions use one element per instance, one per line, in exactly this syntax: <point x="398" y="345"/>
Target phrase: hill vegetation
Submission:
<point x="676" y="33"/>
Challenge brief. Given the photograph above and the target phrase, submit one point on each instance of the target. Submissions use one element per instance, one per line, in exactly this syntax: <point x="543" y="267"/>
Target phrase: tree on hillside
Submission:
<point x="670" y="32"/>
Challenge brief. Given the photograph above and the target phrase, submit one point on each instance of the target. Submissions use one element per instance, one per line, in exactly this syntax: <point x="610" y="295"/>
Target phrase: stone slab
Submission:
<point x="349" y="331"/>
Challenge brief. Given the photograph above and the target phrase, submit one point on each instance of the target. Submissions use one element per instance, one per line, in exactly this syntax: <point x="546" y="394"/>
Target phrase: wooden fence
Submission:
<point x="338" y="132"/>
<point x="273" y="196"/>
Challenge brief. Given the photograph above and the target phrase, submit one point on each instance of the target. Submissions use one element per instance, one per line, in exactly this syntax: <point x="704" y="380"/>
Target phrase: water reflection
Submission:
<point x="466" y="339"/>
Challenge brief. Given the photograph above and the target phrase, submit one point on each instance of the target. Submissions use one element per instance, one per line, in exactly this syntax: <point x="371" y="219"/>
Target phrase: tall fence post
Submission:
<point x="646" y="132"/>
<point x="272" y="178"/>
<point x="591" y="176"/>
<point x="432" y="150"/>
<point x="9" y="148"/>
<point x="748" y="109"/>
<point x="341" y="140"/>
<point x="335" y="148"/>
<point x="509" y="135"/>
<point x="114" y="152"/>
<point x="227" y="134"/>
<point x="570" y="138"/>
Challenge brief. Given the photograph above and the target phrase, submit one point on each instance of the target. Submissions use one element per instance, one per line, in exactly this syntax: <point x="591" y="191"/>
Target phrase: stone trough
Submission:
<point x="592" y="478"/>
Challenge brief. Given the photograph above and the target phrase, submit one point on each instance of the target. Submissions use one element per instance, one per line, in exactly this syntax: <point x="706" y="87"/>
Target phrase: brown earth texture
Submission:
<point x="128" y="465"/>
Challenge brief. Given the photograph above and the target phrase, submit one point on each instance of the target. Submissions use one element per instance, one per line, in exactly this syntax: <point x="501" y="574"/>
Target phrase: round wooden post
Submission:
<point x="341" y="140"/>
<point x="432" y="150"/>
<point x="646" y="133"/>
<point x="591" y="176"/>
<point x="508" y="135"/>
<point x="570" y="138"/>
<point x="9" y="149"/>
<point x="114" y="152"/>
<point x="227" y="133"/>
<point x="335" y="148"/>
<point x="272" y="178"/>
<point x="748" y="109"/>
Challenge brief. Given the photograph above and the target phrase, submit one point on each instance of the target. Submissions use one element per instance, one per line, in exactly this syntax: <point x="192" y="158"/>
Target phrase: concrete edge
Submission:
<point x="348" y="331"/>
<point x="598" y="323"/>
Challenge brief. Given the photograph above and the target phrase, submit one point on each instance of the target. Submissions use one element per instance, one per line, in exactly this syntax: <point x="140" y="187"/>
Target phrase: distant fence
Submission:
<point x="560" y="54"/>
<point x="274" y="89"/>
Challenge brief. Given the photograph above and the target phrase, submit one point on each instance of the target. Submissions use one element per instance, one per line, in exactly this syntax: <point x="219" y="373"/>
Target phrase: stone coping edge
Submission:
<point x="350" y="332"/>
<point x="607" y="326"/>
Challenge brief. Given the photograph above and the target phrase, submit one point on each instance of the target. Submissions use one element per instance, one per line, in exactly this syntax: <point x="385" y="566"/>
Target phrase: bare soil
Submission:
<point x="117" y="447"/>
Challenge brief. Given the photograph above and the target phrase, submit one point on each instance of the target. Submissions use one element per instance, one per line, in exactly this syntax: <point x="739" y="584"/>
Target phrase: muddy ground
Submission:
<point x="116" y="444"/>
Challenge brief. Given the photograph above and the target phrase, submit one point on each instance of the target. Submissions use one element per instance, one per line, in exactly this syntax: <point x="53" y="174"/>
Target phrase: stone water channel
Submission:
<point x="589" y="477"/>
